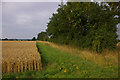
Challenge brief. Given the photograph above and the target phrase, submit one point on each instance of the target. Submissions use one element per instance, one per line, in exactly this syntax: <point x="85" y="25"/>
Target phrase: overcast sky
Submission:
<point x="26" y="19"/>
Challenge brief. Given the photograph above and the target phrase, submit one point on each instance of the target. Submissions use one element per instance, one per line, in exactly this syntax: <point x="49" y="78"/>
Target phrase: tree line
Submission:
<point x="85" y="25"/>
<point x="6" y="39"/>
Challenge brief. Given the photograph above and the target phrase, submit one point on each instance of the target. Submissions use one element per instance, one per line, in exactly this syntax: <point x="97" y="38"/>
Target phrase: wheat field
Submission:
<point x="20" y="56"/>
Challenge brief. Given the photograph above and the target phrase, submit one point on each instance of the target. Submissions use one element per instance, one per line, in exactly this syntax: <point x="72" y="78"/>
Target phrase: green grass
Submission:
<point x="58" y="64"/>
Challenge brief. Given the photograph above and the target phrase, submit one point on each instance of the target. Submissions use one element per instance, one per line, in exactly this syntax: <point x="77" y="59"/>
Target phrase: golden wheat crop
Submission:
<point x="20" y="56"/>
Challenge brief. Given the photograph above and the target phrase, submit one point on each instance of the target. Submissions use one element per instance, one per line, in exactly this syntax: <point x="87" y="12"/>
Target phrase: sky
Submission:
<point x="24" y="20"/>
<point x="118" y="31"/>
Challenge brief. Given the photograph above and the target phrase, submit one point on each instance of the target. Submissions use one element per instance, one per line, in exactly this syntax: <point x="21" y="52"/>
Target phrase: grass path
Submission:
<point x="59" y="64"/>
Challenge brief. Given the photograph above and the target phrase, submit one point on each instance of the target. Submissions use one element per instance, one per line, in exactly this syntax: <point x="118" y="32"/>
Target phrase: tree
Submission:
<point x="5" y="39"/>
<point x="42" y="36"/>
<point x="86" y="25"/>
<point x="33" y="39"/>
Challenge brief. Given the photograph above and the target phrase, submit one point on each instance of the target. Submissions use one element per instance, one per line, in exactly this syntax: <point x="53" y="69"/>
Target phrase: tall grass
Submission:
<point x="103" y="59"/>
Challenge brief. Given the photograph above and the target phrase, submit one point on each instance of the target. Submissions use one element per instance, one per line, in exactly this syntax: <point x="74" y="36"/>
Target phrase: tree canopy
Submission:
<point x="33" y="39"/>
<point x="86" y="25"/>
<point x="42" y="36"/>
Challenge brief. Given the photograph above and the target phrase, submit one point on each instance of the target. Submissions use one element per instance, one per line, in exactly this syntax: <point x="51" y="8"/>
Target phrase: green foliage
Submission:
<point x="33" y="39"/>
<point x="86" y="25"/>
<point x="43" y="36"/>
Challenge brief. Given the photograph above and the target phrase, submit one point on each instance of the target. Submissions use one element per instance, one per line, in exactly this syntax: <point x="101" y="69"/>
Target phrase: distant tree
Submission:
<point x="33" y="39"/>
<point x="6" y="39"/>
<point x="42" y="36"/>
